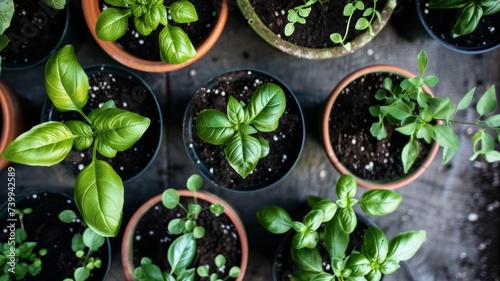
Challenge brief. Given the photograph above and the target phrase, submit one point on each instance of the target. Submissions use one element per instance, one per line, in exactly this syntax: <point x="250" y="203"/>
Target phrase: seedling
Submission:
<point x="98" y="188"/>
<point x="175" y="45"/>
<point x="18" y="257"/>
<point x="471" y="12"/>
<point x="234" y="131"/>
<point x="328" y="226"/>
<point x="422" y="116"/>
<point x="220" y="262"/>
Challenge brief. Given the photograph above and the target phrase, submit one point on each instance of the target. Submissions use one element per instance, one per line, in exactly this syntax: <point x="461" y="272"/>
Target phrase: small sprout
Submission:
<point x="194" y="182"/>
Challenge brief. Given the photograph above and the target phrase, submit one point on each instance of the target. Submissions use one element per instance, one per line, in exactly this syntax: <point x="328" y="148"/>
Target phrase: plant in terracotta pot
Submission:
<point x="327" y="245"/>
<point x="155" y="36"/>
<point x="185" y="235"/>
<point x="317" y="29"/>
<point x="244" y="130"/>
<point x="106" y="130"/>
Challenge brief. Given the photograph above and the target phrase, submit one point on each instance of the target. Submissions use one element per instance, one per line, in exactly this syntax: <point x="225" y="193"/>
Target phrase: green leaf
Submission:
<point x="99" y="197"/>
<point x="170" y="198"/>
<point x="21" y="236"/>
<point x="175" y="45"/>
<point x="389" y="266"/>
<point x="447" y="4"/>
<point x="149" y="20"/>
<point x="198" y="232"/>
<point x="404" y="245"/>
<point x="398" y="110"/>
<point x="375" y="246"/>
<point x="307" y="259"/>
<point x="336" y="240"/>
<point x="66" y="82"/>
<point x="426" y="132"/>
<point x="117" y="3"/>
<point x="407" y="130"/>
<point x="67" y="216"/>
<point x="92" y="240"/>
<point x="492" y="156"/>
<point x="336" y="38"/>
<point x="468" y="20"/>
<point x="243" y="153"/>
<point x="379" y="202"/>
<point x="362" y="23"/>
<point x="488" y="102"/>
<point x="105" y="149"/>
<point x="194" y="182"/>
<point x="118" y="128"/>
<point x="289" y="29"/>
<point x="202" y="271"/>
<point x="220" y="261"/>
<point x="445" y="136"/>
<point x="148" y="271"/>
<point x="378" y="130"/>
<point x="55" y="4"/>
<point x="265" y="107"/>
<point x="77" y="243"/>
<point x="442" y="108"/>
<point x="490" y="7"/>
<point x="112" y="24"/>
<point x="313" y="219"/>
<point x="346" y="186"/>
<point x="84" y="133"/>
<point x="6" y="14"/>
<point x="493" y="121"/>
<point x="328" y="208"/>
<point x="274" y="219"/>
<point x="183" y="12"/>
<point x="217" y="208"/>
<point x="409" y="154"/>
<point x="81" y="273"/>
<point x="181" y="252"/>
<point x="431" y="80"/>
<point x="347" y="219"/>
<point x="348" y="10"/>
<point x="176" y="226"/>
<point x="292" y="16"/>
<point x="264" y="147"/>
<point x="359" y="264"/>
<point x="234" y="272"/>
<point x="448" y="152"/>
<point x="235" y="112"/>
<point x="214" y="127"/>
<point x="422" y="61"/>
<point x="45" y="144"/>
<point x="466" y="100"/>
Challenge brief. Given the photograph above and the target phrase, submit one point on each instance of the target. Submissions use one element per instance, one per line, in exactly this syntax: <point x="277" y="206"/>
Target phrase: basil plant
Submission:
<point x="234" y="130"/>
<point x="175" y="45"/>
<point x="99" y="192"/>
<point x="328" y="227"/>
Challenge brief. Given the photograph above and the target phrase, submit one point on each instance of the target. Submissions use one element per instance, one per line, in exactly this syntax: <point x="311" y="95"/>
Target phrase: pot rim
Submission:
<point x="91" y="12"/>
<point x="326" y="136"/>
<point x="128" y="235"/>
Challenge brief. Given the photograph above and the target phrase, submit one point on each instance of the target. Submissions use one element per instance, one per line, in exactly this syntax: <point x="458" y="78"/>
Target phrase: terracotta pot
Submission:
<point x="10" y="110"/>
<point x="330" y="151"/>
<point x="311" y="53"/>
<point x="127" y="246"/>
<point x="91" y="11"/>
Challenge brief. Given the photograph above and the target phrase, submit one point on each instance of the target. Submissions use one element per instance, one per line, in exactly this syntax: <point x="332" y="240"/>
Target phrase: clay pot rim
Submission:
<point x="91" y="12"/>
<point x="11" y="119"/>
<point x="326" y="136"/>
<point x="128" y="236"/>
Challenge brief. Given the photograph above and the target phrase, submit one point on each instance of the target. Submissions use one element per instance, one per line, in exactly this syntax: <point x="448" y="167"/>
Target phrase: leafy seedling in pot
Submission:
<point x="99" y="192"/>
<point x="328" y="227"/>
<point x="422" y="116"/>
<point x="234" y="130"/>
<point x="175" y="45"/>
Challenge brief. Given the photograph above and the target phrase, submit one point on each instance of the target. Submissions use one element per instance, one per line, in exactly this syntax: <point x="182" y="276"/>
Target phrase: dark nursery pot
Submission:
<point x="146" y="235"/>
<point x="142" y="53"/>
<point x="44" y="227"/>
<point x="286" y="142"/>
<point x="11" y="121"/>
<point x="439" y="23"/>
<point x="312" y="39"/>
<point x="129" y="92"/>
<point x="36" y="31"/>
<point x="346" y="136"/>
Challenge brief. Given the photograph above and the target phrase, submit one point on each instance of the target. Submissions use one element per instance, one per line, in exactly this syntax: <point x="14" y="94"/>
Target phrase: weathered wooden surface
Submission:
<point x="457" y="204"/>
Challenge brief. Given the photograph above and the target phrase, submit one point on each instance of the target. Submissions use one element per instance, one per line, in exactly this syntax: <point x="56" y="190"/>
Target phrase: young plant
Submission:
<point x="234" y="131"/>
<point x="98" y="188"/>
<point x="175" y="45"/>
<point x="220" y="262"/>
<point x="328" y="226"/>
<point x="18" y="257"/>
<point x="84" y="245"/>
<point x="471" y="12"/>
<point x="182" y="251"/>
<point x="422" y="116"/>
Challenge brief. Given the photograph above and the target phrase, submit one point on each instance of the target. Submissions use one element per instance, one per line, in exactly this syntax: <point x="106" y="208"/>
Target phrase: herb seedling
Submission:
<point x="435" y="117"/>
<point x="369" y="15"/>
<point x="220" y="262"/>
<point x="234" y="131"/>
<point x="182" y="251"/>
<point x="329" y="224"/>
<point x="18" y="257"/>
<point x="175" y="45"/>
<point x="471" y="12"/>
<point x="98" y="188"/>
<point x="84" y="245"/>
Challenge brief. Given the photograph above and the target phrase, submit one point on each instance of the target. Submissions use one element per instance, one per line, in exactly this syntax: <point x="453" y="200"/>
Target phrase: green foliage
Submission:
<point x="234" y="131"/>
<point x="220" y="262"/>
<point x="18" y="256"/>
<point x="6" y="14"/>
<point x="175" y="45"/>
<point x="422" y="116"/>
<point x="84" y="245"/>
<point x="328" y="225"/>
<point x="98" y="188"/>
<point x="471" y="12"/>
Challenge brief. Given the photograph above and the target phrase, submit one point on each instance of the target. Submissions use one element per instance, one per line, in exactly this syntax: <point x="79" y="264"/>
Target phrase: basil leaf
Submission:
<point x="55" y="4"/>
<point x="142" y="26"/>
<point x="117" y="3"/>
<point x="112" y="24"/>
<point x="105" y="150"/>
<point x="66" y="82"/>
<point x="274" y="219"/>
<point x="336" y="240"/>
<point x="243" y="153"/>
<point x="265" y="107"/>
<point x="347" y="219"/>
<point x="307" y="259"/>
<point x="346" y="187"/>
<point x="468" y="20"/>
<point x="183" y="12"/>
<point x="264" y="147"/>
<point x="92" y="240"/>
<point x="235" y="112"/>
<point x="181" y="252"/>
<point x="405" y="245"/>
<point x="84" y="133"/>
<point x="447" y="4"/>
<point x="6" y="13"/>
<point x="359" y="264"/>
<point x="99" y="197"/>
<point x="45" y="144"/>
<point x="313" y="219"/>
<point x="328" y="207"/>
<point x="375" y="246"/>
<point x="175" y="45"/>
<point x="149" y="270"/>
<point x="379" y="202"/>
<point x="214" y="127"/>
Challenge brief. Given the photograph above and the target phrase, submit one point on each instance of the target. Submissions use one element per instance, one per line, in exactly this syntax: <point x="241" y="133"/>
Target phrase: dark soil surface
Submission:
<point x="44" y="227"/>
<point x="152" y="238"/>
<point x="354" y="145"/>
<point x="147" y="47"/>
<point x="33" y="33"/>
<point x="441" y="21"/>
<point x="322" y="21"/>
<point x="130" y="94"/>
<point x="285" y="142"/>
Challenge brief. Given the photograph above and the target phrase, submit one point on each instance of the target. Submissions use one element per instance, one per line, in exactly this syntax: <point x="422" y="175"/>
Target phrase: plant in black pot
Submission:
<point x="327" y="243"/>
<point x="107" y="130"/>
